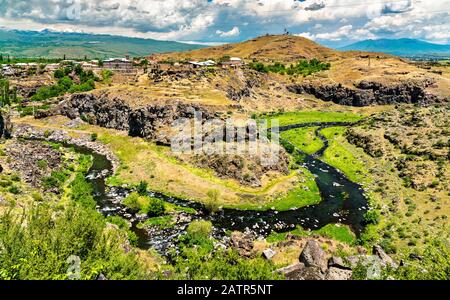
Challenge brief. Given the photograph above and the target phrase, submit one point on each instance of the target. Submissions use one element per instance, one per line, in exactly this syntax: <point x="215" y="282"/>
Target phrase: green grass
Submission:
<point x="298" y="197"/>
<point x="304" y="139"/>
<point x="312" y="116"/>
<point x="162" y="222"/>
<point x="336" y="232"/>
<point x="339" y="155"/>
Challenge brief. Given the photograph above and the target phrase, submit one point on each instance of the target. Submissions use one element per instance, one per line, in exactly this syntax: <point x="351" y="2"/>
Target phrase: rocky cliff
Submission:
<point x="152" y="122"/>
<point x="369" y="93"/>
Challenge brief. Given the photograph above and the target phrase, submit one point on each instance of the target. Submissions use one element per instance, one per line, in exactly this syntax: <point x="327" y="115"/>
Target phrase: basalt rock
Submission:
<point x="314" y="256"/>
<point x="5" y="125"/>
<point x="151" y="122"/>
<point x="243" y="243"/>
<point x="369" y="93"/>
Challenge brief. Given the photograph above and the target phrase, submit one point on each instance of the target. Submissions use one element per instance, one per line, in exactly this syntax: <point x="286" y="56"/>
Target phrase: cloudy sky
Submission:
<point x="330" y="22"/>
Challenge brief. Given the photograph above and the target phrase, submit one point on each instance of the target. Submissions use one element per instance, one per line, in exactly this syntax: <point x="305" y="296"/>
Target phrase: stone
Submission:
<point x="368" y="92"/>
<point x="268" y="253"/>
<point x="337" y="262"/>
<point x="243" y="243"/>
<point x="291" y="268"/>
<point x="101" y="277"/>
<point x="386" y="260"/>
<point x="334" y="273"/>
<point x="306" y="273"/>
<point x="314" y="256"/>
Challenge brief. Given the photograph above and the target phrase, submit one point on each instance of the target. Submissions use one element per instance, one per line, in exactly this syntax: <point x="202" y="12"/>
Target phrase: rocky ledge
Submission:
<point x="369" y="93"/>
<point x="151" y="122"/>
<point x="33" y="160"/>
<point x="60" y="136"/>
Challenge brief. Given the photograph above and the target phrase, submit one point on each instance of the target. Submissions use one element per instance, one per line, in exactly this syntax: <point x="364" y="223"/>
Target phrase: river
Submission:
<point x="343" y="202"/>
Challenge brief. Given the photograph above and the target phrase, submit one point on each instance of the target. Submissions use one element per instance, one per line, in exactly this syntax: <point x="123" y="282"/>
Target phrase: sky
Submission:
<point x="333" y="23"/>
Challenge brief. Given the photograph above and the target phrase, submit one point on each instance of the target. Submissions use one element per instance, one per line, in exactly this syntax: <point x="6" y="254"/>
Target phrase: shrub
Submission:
<point x="200" y="263"/>
<point x="58" y="74"/>
<point x="94" y="137"/>
<point x="40" y="244"/>
<point x="142" y="188"/>
<point x="199" y="230"/>
<point x="155" y="207"/>
<point x="14" y="189"/>
<point x="212" y="204"/>
<point x="42" y="164"/>
<point x="132" y="202"/>
<point x="55" y="180"/>
<point x="81" y="191"/>
<point x="15" y="177"/>
<point x="372" y="217"/>
<point x="125" y="226"/>
<point x="37" y="197"/>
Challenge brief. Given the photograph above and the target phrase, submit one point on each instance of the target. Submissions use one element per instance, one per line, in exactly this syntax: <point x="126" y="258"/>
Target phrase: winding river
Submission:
<point x="343" y="202"/>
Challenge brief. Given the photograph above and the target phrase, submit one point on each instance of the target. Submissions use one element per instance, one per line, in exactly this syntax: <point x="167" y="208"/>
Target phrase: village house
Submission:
<point x="120" y="64"/>
<point x="234" y="62"/>
<point x="208" y="63"/>
<point x="52" y="67"/>
<point x="7" y="70"/>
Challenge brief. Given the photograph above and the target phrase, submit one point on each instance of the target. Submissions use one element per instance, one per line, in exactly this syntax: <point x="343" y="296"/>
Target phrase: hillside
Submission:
<point x="401" y="47"/>
<point x="265" y="48"/>
<point x="55" y="45"/>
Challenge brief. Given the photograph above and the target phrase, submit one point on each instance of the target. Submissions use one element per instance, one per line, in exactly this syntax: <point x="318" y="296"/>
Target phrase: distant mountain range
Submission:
<point x="76" y="45"/>
<point x="401" y="47"/>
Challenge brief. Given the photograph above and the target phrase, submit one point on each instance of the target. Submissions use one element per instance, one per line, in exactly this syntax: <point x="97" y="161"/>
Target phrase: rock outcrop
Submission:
<point x="243" y="243"/>
<point x="314" y="256"/>
<point x="369" y="93"/>
<point x="34" y="161"/>
<point x="150" y="122"/>
<point x="5" y="125"/>
<point x="313" y="265"/>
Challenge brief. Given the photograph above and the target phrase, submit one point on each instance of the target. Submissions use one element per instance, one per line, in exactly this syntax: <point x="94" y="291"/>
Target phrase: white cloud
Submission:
<point x="337" y="35"/>
<point x="233" y="32"/>
<point x="202" y="20"/>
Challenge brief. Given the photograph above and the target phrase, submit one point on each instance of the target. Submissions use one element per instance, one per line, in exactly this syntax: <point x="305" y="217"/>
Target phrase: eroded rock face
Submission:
<point x="152" y="122"/>
<point x="369" y="93"/>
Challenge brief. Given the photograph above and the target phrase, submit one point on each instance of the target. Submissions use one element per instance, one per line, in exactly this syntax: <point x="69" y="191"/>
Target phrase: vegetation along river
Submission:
<point x="343" y="202"/>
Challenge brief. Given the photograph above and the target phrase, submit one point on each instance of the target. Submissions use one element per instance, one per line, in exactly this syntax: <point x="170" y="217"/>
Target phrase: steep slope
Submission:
<point x="283" y="48"/>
